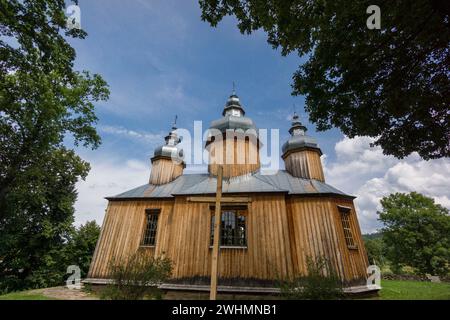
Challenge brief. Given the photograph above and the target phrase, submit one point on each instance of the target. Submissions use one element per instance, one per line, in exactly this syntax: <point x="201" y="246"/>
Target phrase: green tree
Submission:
<point x="34" y="235"/>
<point x="82" y="245"/>
<point x="375" y="251"/>
<point x="43" y="101"/>
<point x="416" y="233"/>
<point x="391" y="84"/>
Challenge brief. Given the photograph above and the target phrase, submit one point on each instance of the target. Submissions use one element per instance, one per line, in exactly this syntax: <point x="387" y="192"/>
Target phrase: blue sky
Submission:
<point x="160" y="59"/>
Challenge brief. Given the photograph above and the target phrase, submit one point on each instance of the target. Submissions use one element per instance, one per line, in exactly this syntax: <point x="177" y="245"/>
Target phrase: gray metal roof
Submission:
<point x="171" y="148"/>
<point x="298" y="138"/>
<point x="173" y="152"/>
<point x="194" y="184"/>
<point x="233" y="122"/>
<point x="299" y="141"/>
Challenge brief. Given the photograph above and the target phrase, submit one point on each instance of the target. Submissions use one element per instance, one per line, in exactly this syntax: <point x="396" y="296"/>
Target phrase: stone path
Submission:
<point x="63" y="293"/>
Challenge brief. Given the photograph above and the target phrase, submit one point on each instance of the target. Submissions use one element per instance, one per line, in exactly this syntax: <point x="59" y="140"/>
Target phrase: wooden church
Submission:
<point x="270" y="224"/>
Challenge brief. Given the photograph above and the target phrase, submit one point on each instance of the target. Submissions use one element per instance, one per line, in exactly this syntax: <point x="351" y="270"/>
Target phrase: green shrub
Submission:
<point x="136" y="277"/>
<point x="321" y="283"/>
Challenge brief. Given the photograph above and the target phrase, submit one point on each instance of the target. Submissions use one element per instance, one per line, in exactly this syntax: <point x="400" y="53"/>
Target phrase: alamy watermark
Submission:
<point x="374" y="20"/>
<point x="374" y="278"/>
<point x="73" y="20"/>
<point x="74" y="280"/>
<point x="232" y="146"/>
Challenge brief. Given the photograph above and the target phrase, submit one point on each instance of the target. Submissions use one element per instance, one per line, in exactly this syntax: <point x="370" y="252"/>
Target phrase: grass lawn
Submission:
<point x="25" y="295"/>
<point x="414" y="290"/>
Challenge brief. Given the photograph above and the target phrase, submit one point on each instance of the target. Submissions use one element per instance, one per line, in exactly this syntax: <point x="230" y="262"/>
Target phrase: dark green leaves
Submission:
<point x="43" y="100"/>
<point x="392" y="84"/>
<point x="416" y="233"/>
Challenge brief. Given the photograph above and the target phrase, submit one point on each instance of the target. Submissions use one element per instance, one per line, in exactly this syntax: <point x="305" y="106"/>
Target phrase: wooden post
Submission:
<point x="216" y="243"/>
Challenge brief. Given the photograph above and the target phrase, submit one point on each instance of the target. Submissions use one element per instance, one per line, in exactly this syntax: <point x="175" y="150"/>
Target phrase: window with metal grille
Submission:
<point x="151" y="225"/>
<point x="345" y="219"/>
<point x="233" y="229"/>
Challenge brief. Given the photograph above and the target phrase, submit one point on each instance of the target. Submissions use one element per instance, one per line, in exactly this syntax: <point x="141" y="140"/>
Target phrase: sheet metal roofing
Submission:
<point x="196" y="184"/>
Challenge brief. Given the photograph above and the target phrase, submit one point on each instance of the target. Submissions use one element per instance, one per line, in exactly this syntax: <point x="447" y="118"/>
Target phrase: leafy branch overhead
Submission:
<point x="392" y="83"/>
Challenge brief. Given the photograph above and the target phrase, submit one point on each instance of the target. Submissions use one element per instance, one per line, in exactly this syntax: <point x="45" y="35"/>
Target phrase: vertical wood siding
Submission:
<point x="305" y="164"/>
<point x="164" y="171"/>
<point x="281" y="233"/>
<point x="317" y="231"/>
<point x="239" y="157"/>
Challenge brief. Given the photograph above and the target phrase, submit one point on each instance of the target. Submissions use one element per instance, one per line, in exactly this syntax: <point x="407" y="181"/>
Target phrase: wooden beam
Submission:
<point x="216" y="248"/>
<point x="224" y="199"/>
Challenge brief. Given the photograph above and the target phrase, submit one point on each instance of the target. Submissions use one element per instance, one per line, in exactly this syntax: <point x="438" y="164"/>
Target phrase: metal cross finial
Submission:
<point x="234" y="88"/>
<point x="175" y="122"/>
<point x="295" y="116"/>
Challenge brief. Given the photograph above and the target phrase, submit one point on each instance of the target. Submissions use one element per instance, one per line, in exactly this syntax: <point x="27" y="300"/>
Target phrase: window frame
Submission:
<point x="239" y="211"/>
<point x="150" y="212"/>
<point x="349" y="236"/>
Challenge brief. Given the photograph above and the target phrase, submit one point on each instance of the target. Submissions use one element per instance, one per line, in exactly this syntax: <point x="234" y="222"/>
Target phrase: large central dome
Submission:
<point x="233" y="116"/>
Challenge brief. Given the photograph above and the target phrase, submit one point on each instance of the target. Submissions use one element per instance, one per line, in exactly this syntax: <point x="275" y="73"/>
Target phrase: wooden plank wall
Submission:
<point x="239" y="156"/>
<point x="317" y="231"/>
<point x="122" y="231"/>
<point x="357" y="259"/>
<point x="280" y="234"/>
<point x="305" y="164"/>
<point x="164" y="171"/>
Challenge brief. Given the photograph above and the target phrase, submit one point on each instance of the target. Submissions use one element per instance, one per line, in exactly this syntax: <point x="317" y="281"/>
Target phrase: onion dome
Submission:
<point x="233" y="106"/>
<point x="299" y="139"/>
<point x="170" y="149"/>
<point x="233" y="116"/>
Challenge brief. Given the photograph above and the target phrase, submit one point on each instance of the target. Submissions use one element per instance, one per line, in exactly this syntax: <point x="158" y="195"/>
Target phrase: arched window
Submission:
<point x="233" y="231"/>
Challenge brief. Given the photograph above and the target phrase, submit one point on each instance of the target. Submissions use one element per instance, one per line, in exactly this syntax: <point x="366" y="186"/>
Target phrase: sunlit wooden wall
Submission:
<point x="281" y="232"/>
<point x="304" y="164"/>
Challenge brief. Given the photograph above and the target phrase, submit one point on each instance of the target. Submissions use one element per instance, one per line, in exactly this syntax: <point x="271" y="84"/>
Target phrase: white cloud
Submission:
<point x="147" y="137"/>
<point x="107" y="177"/>
<point x="365" y="172"/>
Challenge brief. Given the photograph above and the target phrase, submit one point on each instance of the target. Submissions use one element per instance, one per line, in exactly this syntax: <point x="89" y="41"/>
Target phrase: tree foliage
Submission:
<point x="375" y="251"/>
<point x="43" y="101"/>
<point x="81" y="246"/>
<point x="416" y="233"/>
<point x="392" y="83"/>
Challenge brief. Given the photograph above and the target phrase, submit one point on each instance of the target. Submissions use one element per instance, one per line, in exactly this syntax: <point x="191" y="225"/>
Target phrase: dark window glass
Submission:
<point x="233" y="229"/>
<point x="151" y="225"/>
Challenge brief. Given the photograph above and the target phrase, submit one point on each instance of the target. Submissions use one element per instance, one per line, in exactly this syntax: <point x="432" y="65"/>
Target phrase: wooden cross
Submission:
<point x="215" y="253"/>
<point x="218" y="200"/>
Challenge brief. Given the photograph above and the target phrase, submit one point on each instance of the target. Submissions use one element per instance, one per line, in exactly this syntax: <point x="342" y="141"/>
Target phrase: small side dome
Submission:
<point x="170" y="149"/>
<point x="299" y="139"/>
